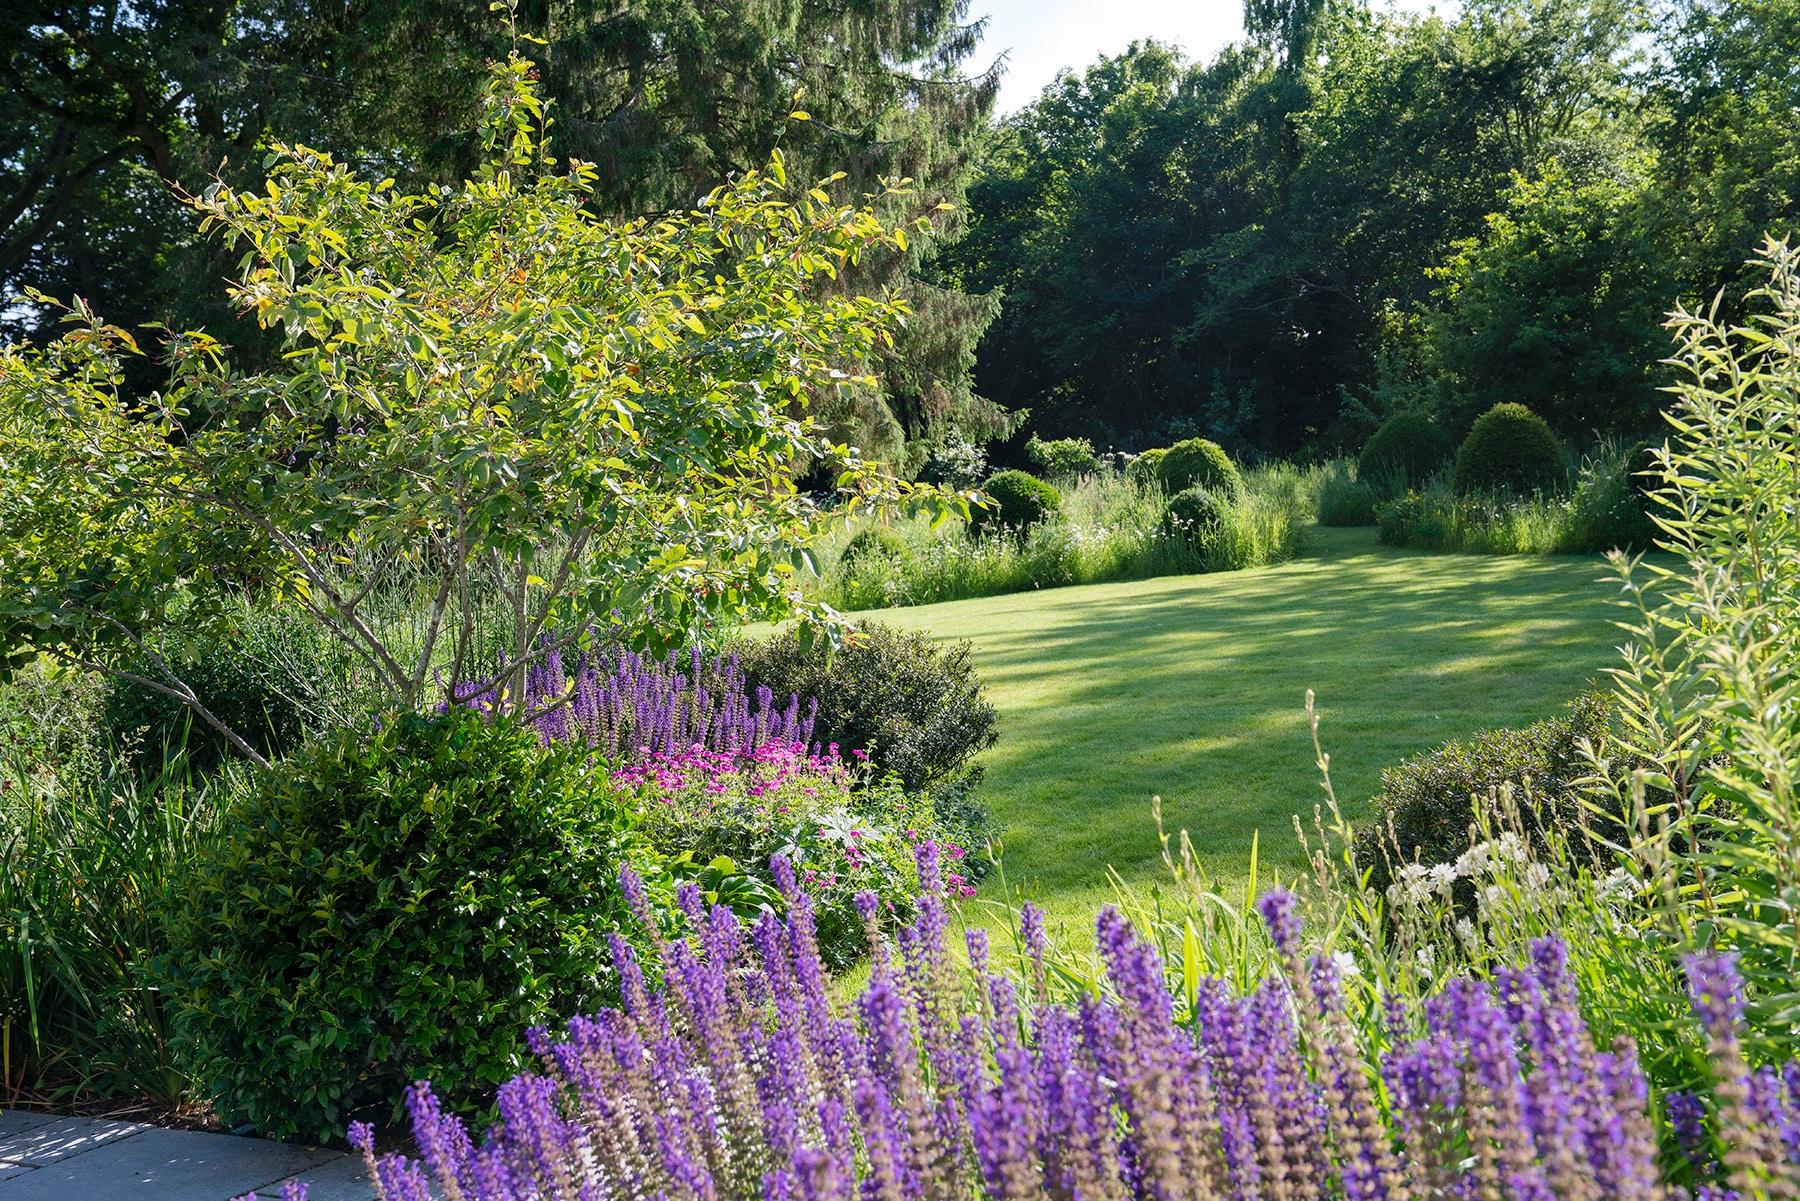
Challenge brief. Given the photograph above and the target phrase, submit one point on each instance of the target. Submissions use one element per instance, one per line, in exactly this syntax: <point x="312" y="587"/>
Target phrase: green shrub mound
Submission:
<point x="1427" y="804"/>
<point x="1197" y="462"/>
<point x="917" y="706"/>
<point x="1194" y="512"/>
<point x="395" y="906"/>
<point x="1408" y="445"/>
<point x="1345" y="500"/>
<point x="874" y="542"/>
<point x="1020" y="500"/>
<point x="1143" y="469"/>
<point x="1510" y="448"/>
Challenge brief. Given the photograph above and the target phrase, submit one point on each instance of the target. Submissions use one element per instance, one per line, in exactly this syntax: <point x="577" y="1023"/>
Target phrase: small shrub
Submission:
<point x="1611" y="504"/>
<point x="1509" y="448"/>
<point x="918" y="707"/>
<point x="393" y="905"/>
<point x="874" y="541"/>
<point x="1345" y="500"/>
<point x="1408" y="444"/>
<point x="1142" y="469"/>
<point x="1063" y="457"/>
<point x="1194" y="512"/>
<point x="1199" y="463"/>
<point x="1427" y="804"/>
<point x="1020" y="500"/>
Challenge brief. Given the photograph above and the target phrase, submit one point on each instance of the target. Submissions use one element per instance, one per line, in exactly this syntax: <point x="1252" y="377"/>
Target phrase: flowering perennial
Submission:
<point x="633" y="706"/>
<point x="739" y="1077"/>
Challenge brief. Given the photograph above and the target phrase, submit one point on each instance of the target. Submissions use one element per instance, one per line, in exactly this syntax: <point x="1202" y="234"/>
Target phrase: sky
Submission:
<point x="1044" y="36"/>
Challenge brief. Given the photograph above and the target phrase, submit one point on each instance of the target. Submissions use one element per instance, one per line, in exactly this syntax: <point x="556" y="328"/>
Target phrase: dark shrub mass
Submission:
<point x="877" y="542"/>
<point x="1408" y="444"/>
<point x="1427" y="804"/>
<point x="1509" y="447"/>
<point x="1194" y="511"/>
<point x="390" y="906"/>
<point x="916" y="705"/>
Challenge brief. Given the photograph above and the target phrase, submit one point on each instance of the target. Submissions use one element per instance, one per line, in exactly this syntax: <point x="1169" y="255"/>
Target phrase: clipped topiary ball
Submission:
<point x="1509" y="447"/>
<point x="1197" y="462"/>
<point x="876" y="542"/>
<point x="391" y="906"/>
<point x="1194" y="511"/>
<point x="1408" y="444"/>
<point x="1143" y="468"/>
<point x="1019" y="500"/>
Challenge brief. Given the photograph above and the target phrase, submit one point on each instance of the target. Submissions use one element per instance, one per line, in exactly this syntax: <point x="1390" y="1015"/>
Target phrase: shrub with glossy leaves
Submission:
<point x="394" y="905"/>
<point x="917" y="706"/>
<point x="1019" y="501"/>
<point x="1509" y="447"/>
<point x="1408" y="444"/>
<point x="1197" y="462"/>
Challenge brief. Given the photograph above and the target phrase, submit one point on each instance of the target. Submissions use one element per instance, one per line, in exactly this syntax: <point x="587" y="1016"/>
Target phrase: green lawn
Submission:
<point x="1193" y="688"/>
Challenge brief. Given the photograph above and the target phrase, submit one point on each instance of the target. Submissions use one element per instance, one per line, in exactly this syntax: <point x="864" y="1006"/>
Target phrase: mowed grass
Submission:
<point x="1194" y="687"/>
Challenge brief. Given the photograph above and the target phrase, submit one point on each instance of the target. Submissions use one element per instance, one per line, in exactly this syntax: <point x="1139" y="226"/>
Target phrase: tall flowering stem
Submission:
<point x="632" y="707"/>
<point x="740" y="1077"/>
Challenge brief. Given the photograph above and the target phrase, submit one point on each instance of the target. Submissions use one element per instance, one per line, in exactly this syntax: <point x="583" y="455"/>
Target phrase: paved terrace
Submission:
<point x="45" y="1158"/>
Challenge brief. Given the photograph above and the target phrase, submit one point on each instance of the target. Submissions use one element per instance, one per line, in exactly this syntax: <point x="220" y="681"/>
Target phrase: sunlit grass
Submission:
<point x="1192" y="688"/>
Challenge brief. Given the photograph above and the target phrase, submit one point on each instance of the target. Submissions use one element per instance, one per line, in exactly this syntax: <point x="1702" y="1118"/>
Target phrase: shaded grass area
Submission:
<point x="1193" y="688"/>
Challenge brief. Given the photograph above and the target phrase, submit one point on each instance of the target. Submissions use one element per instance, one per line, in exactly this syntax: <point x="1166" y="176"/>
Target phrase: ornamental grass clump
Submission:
<point x="739" y="1076"/>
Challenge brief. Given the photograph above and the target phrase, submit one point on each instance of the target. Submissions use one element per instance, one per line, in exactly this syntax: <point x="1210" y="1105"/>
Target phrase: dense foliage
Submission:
<point x="489" y="398"/>
<point x="916" y="707"/>
<point x="392" y="905"/>
<point x="1408" y="444"/>
<point x="1358" y="211"/>
<point x="1111" y="527"/>
<point x="1199" y="463"/>
<point x="842" y="830"/>
<point x="109" y="115"/>
<point x="1018" y="501"/>
<point x="1062" y="457"/>
<point x="1195" y="512"/>
<point x="1427" y="804"/>
<point x="88" y="862"/>
<point x="1509" y="448"/>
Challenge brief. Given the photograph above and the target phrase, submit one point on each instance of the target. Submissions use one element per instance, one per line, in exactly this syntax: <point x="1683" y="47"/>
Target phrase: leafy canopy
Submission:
<point x="490" y="400"/>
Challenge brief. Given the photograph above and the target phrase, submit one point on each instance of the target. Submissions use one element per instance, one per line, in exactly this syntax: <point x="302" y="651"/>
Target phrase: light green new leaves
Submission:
<point x="487" y="391"/>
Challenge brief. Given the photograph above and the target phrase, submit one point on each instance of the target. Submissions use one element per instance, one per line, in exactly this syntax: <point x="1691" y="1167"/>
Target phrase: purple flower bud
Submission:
<point x="1277" y="909"/>
<point x="1717" y="989"/>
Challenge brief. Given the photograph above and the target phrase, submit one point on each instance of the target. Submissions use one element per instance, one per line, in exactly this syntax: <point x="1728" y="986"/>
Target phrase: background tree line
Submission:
<point x="1346" y="214"/>
<point x="1354" y="213"/>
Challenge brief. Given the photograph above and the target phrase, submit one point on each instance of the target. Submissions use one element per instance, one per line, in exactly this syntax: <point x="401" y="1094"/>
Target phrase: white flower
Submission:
<point x="1537" y="877"/>
<point x="1346" y="964"/>
<point x="1465" y="930"/>
<point x="1443" y="875"/>
<point x="1425" y="957"/>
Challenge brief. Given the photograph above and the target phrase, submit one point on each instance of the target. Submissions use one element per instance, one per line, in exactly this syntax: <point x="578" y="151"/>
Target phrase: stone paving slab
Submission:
<point x="39" y="1144"/>
<point x="86" y="1159"/>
